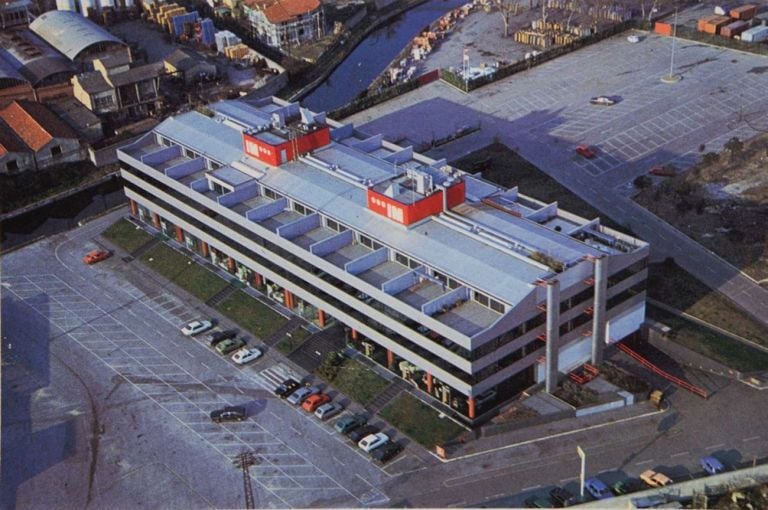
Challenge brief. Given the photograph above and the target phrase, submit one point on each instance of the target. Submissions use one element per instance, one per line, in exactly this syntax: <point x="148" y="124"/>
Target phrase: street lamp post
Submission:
<point x="672" y="77"/>
<point x="583" y="457"/>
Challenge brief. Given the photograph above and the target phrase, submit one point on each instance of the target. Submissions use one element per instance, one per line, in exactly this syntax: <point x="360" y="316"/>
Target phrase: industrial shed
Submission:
<point x="75" y="36"/>
<point x="26" y="58"/>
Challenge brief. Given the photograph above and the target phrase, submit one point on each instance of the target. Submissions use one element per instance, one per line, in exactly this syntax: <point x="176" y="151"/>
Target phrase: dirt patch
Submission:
<point x="721" y="202"/>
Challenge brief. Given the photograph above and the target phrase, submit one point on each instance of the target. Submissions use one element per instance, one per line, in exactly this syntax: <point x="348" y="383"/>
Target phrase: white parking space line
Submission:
<point x="753" y="438"/>
<point x="168" y="397"/>
<point x="524" y="489"/>
<point x="643" y="462"/>
<point x="680" y="454"/>
<point x="715" y="446"/>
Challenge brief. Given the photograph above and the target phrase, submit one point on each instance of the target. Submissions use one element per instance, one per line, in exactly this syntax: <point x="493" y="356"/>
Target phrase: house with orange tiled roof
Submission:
<point x="284" y="23"/>
<point x="33" y="137"/>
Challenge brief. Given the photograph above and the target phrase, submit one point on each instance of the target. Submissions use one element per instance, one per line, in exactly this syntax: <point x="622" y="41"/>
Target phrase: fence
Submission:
<point x="678" y="382"/>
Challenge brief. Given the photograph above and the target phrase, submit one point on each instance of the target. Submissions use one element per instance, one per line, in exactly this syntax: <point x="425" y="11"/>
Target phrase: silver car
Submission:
<point x="300" y="395"/>
<point x="325" y="411"/>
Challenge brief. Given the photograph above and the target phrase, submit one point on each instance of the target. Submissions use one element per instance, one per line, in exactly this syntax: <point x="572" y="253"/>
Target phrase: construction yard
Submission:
<point x="722" y="202"/>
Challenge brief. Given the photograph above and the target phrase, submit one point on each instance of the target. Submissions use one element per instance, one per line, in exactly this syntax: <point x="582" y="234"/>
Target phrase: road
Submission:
<point x="544" y="113"/>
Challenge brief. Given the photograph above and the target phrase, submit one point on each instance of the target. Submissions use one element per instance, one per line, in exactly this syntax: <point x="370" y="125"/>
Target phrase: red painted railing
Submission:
<point x="653" y="368"/>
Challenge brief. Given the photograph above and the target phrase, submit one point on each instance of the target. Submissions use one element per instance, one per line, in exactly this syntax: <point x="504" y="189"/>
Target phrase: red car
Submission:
<point x="96" y="256"/>
<point x="585" y="151"/>
<point x="315" y="401"/>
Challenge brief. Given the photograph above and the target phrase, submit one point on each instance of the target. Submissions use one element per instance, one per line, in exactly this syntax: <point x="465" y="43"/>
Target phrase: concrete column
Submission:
<point x="390" y="358"/>
<point x="230" y="264"/>
<point x="353" y="334"/>
<point x="553" y="335"/>
<point x="287" y="298"/>
<point x="156" y="220"/>
<point x="429" y="383"/>
<point x="321" y="318"/>
<point x="179" y="234"/>
<point x="471" y="407"/>
<point x="598" y="317"/>
<point x="134" y="208"/>
<point x="258" y="280"/>
<point x="204" y="248"/>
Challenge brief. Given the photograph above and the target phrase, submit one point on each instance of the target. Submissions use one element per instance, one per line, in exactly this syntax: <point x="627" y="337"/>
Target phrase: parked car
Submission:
<point x="196" y="327"/>
<point x="218" y="336"/>
<point x="325" y="411"/>
<point x="361" y="432"/>
<point x="231" y="413"/>
<point x="387" y="452"/>
<point x="538" y="502"/>
<point x="95" y="256"/>
<point x="663" y="170"/>
<point x="314" y="401"/>
<point x="655" y="479"/>
<point x="626" y="486"/>
<point x="602" y="101"/>
<point x="585" y="150"/>
<point x="711" y="465"/>
<point x="287" y="387"/>
<point x="300" y="395"/>
<point x="246" y="355"/>
<point x="597" y="489"/>
<point x="229" y="345"/>
<point x="373" y="441"/>
<point x="347" y="424"/>
<point x="560" y="497"/>
<point x="633" y="39"/>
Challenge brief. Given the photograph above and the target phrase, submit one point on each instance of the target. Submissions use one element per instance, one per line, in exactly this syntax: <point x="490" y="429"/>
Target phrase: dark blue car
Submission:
<point x="598" y="489"/>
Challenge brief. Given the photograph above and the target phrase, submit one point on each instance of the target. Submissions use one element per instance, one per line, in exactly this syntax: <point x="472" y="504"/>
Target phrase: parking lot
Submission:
<point x="545" y="112"/>
<point x="148" y="393"/>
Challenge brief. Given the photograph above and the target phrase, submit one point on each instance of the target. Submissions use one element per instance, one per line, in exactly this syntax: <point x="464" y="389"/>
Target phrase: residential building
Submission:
<point x="117" y="89"/>
<point x="470" y="291"/>
<point x="40" y="140"/>
<point x="14" y="13"/>
<point x="284" y="23"/>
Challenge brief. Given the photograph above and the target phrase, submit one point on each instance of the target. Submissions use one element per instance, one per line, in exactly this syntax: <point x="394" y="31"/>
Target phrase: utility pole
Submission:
<point x="244" y="461"/>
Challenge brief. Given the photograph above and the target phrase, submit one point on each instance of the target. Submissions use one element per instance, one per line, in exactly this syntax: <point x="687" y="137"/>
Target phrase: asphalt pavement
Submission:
<point x="544" y="113"/>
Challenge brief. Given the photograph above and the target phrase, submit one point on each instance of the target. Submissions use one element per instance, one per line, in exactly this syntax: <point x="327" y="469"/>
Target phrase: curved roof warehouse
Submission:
<point x="72" y="34"/>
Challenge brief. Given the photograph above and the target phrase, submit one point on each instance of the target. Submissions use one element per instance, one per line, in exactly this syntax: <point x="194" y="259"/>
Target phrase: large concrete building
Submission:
<point x="470" y="291"/>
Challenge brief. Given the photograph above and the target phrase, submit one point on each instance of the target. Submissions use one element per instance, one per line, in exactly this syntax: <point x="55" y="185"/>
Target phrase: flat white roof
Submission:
<point x="485" y="247"/>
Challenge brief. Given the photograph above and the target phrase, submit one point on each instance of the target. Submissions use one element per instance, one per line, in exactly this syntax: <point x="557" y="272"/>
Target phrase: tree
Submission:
<point x="642" y="182"/>
<point x="734" y="145"/>
<point x="330" y="365"/>
<point x="507" y="9"/>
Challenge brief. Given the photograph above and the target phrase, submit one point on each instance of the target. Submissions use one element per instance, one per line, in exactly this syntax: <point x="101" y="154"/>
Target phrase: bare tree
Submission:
<point x="507" y="9"/>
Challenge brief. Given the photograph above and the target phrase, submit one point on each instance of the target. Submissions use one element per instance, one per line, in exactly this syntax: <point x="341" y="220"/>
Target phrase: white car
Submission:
<point x="246" y="355"/>
<point x="302" y="394"/>
<point x="325" y="411"/>
<point x="196" y="327"/>
<point x="373" y="441"/>
<point x="602" y="101"/>
<point x="633" y="39"/>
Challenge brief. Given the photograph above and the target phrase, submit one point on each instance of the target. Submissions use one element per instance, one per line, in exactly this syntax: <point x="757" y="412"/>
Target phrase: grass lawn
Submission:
<point x="181" y="270"/>
<point x="720" y="348"/>
<point x="419" y="421"/>
<point x="675" y="287"/>
<point x="503" y="166"/>
<point x="358" y="382"/>
<point x="125" y="234"/>
<point x="251" y="314"/>
<point x="291" y="341"/>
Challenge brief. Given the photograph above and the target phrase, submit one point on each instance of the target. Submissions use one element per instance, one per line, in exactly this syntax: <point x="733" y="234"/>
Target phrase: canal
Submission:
<point x="373" y="55"/>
